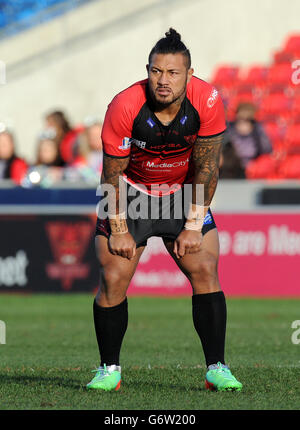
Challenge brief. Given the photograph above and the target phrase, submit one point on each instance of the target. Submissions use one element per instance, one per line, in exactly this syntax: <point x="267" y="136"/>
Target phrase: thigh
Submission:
<point x="202" y="265"/>
<point x="115" y="273"/>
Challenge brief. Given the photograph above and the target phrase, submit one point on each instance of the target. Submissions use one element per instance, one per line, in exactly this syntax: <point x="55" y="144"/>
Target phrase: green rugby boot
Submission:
<point x="107" y="378"/>
<point x="219" y="378"/>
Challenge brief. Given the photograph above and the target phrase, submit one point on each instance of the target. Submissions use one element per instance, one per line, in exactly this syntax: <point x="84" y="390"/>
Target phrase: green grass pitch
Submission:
<point x="51" y="349"/>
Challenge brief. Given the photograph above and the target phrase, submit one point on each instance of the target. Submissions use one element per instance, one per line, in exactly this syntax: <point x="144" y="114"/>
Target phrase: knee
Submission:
<point x="205" y="273"/>
<point x="112" y="278"/>
<point x="113" y="287"/>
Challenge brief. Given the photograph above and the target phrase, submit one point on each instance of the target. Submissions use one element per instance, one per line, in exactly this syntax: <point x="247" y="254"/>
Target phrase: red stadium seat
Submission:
<point x="274" y="131"/>
<point x="280" y="57"/>
<point x="286" y="57"/>
<point x="274" y="106"/>
<point x="292" y="138"/>
<point x="256" y="74"/>
<point x="224" y="74"/>
<point x="289" y="168"/>
<point x="224" y="79"/>
<point x="295" y="111"/>
<point x="296" y="105"/>
<point x="279" y="78"/>
<point x="292" y="43"/>
<point x="263" y="167"/>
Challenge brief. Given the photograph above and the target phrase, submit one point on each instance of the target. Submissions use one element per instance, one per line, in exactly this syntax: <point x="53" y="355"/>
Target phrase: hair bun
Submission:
<point x="172" y="34"/>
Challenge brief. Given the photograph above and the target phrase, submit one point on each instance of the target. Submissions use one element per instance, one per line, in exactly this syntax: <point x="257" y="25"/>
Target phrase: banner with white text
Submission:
<point x="259" y="256"/>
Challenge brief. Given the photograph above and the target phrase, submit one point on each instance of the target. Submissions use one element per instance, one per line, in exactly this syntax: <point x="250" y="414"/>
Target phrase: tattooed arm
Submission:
<point x="206" y="158"/>
<point x="120" y="241"/>
<point x="113" y="169"/>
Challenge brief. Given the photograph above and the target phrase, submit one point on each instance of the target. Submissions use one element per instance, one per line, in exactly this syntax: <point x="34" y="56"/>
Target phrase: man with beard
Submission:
<point x="160" y="135"/>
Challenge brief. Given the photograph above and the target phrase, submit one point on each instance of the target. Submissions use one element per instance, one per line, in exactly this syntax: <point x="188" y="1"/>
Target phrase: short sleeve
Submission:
<point x="212" y="115"/>
<point x="117" y="129"/>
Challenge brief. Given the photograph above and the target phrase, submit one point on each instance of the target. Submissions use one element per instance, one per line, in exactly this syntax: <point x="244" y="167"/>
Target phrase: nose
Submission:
<point x="163" y="79"/>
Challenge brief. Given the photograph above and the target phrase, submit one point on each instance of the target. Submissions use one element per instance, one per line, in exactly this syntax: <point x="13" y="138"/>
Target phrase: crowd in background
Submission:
<point x="74" y="153"/>
<point x="63" y="152"/>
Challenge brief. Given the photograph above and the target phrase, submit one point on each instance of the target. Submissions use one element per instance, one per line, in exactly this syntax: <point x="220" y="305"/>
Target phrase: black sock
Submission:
<point x="209" y="317"/>
<point x="110" y="326"/>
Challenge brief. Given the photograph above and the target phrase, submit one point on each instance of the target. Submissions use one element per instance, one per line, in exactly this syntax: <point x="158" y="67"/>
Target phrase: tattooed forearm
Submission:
<point x="113" y="169"/>
<point x="206" y="158"/>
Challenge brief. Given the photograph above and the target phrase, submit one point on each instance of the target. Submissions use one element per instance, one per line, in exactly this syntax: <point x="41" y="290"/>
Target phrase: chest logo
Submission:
<point x="183" y="120"/>
<point x="150" y="122"/>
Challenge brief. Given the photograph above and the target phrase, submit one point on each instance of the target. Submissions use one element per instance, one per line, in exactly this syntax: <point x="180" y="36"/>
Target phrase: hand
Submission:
<point x="122" y="245"/>
<point x="188" y="242"/>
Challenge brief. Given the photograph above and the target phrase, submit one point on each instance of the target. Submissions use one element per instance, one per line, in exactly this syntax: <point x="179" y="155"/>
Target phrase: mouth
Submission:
<point x="163" y="91"/>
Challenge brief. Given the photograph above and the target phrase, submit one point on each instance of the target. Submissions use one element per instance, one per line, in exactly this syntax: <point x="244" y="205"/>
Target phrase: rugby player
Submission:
<point x="166" y="129"/>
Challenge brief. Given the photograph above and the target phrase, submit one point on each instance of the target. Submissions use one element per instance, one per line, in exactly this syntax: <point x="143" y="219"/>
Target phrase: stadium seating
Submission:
<point x="276" y="96"/>
<point x="264" y="167"/>
<point x="292" y="138"/>
<point x="289" y="168"/>
<point x="292" y="43"/>
<point x="225" y="75"/>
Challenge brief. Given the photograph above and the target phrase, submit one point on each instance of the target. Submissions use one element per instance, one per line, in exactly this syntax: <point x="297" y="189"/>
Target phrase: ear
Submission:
<point x="147" y="68"/>
<point x="190" y="74"/>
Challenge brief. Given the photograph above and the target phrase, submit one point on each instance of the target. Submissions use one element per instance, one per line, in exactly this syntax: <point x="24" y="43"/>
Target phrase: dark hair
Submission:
<point x="171" y="44"/>
<point x="60" y="119"/>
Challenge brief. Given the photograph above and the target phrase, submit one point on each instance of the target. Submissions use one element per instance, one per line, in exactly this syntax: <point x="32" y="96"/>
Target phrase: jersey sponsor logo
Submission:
<point x="138" y="143"/>
<point x="212" y="98"/>
<point x="150" y="122"/>
<point x="183" y="120"/>
<point x="152" y="165"/>
<point x="126" y="143"/>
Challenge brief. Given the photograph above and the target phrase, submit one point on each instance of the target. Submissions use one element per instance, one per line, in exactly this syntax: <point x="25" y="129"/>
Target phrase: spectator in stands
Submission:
<point x="11" y="166"/>
<point x="66" y="135"/>
<point x="247" y="135"/>
<point x="89" y="151"/>
<point x="230" y="163"/>
<point x="48" y="167"/>
<point x="89" y="145"/>
<point x="48" y="153"/>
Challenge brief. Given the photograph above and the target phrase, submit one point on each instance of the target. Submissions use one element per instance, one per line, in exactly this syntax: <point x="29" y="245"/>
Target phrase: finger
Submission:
<point x="127" y="252"/>
<point x="132" y="252"/>
<point x="181" y="250"/>
<point x="175" y="249"/>
<point x="123" y="254"/>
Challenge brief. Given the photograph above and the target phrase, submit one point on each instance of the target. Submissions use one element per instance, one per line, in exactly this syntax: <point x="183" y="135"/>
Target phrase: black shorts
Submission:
<point x="161" y="221"/>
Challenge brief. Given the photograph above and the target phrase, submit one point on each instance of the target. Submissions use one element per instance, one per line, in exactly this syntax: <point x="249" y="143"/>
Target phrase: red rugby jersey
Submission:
<point x="160" y="154"/>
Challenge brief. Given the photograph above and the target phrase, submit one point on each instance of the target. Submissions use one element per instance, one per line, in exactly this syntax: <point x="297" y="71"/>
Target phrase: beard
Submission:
<point x="164" y="101"/>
